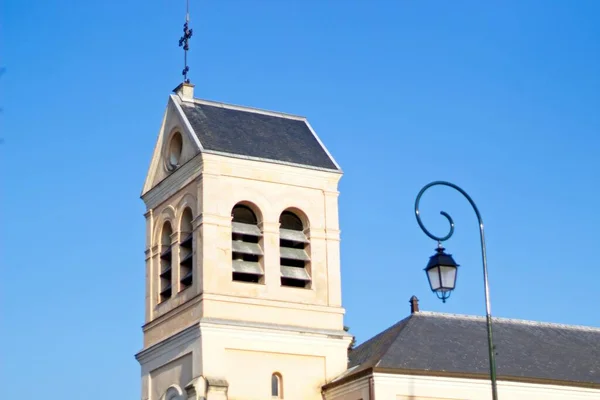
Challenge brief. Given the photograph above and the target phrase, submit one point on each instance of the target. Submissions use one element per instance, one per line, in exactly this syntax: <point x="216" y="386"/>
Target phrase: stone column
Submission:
<point x="270" y="259"/>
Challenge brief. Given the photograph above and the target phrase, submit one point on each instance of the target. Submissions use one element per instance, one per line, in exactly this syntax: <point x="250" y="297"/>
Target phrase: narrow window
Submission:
<point x="165" y="262"/>
<point x="246" y="252"/>
<point x="293" y="246"/>
<point x="276" y="386"/>
<point x="186" y="251"/>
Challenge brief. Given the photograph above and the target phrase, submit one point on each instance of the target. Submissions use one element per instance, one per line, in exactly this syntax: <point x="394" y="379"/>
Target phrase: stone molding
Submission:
<point x="171" y="343"/>
<point x="274" y="303"/>
<point x="166" y="315"/>
<point x="169" y="186"/>
<point x="349" y="388"/>
<point x="261" y="330"/>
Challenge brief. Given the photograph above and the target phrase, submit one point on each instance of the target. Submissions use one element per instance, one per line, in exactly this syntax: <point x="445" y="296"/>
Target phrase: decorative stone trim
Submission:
<point x="174" y="237"/>
<point x="207" y="388"/>
<point x="261" y="329"/>
<point x="171" y="312"/>
<point x="196" y="389"/>
<point x="155" y="249"/>
<point x="217" y="388"/>
<point x="185" y="336"/>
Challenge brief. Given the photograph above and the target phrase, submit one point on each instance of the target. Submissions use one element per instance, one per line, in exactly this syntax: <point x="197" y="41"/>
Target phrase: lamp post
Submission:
<point x="441" y="269"/>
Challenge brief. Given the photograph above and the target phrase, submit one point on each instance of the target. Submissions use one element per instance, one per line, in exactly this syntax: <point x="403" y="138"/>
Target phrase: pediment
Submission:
<point x="176" y="144"/>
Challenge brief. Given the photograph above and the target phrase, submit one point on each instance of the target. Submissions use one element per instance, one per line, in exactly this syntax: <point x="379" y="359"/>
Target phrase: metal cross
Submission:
<point x="183" y="41"/>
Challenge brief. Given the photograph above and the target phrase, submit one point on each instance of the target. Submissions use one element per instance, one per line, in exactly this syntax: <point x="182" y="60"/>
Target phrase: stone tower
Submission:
<point x="243" y="290"/>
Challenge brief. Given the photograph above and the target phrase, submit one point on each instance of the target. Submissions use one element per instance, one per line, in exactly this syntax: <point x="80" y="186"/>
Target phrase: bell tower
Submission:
<point x="243" y="288"/>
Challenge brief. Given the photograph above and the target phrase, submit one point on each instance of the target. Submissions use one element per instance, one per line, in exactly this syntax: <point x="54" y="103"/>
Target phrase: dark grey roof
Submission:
<point x="256" y="134"/>
<point x="452" y="344"/>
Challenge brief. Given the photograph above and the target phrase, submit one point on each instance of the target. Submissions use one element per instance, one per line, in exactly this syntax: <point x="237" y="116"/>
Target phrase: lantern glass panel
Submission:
<point x="448" y="275"/>
<point x="434" y="278"/>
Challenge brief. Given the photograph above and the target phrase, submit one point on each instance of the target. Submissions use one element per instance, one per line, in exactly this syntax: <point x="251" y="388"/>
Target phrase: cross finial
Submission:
<point x="184" y="42"/>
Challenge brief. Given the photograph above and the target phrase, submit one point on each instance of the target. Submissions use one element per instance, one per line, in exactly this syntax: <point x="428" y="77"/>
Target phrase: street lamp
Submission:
<point x="441" y="272"/>
<point x="441" y="269"/>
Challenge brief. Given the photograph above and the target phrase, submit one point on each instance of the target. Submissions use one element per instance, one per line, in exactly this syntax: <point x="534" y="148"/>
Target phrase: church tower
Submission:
<point x="243" y="290"/>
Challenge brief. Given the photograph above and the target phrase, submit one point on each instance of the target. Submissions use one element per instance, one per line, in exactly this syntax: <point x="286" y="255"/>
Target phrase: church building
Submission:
<point x="243" y="283"/>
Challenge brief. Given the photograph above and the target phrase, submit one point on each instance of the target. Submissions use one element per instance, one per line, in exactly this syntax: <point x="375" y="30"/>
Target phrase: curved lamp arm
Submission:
<point x="484" y="260"/>
<point x="445" y="214"/>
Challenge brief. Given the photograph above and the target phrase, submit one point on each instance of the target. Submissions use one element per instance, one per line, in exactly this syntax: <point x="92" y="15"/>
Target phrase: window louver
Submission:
<point x="293" y="246"/>
<point x="246" y="251"/>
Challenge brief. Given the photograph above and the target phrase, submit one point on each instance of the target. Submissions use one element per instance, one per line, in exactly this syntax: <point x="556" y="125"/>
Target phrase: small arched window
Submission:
<point x="186" y="251"/>
<point x="246" y="252"/>
<point x="276" y="386"/>
<point x="166" y="257"/>
<point x="293" y="249"/>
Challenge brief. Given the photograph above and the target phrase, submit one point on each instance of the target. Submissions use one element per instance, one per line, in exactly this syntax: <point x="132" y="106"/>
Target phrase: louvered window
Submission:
<point x="166" y="257"/>
<point x="186" y="251"/>
<point x="293" y="249"/>
<point x="246" y="252"/>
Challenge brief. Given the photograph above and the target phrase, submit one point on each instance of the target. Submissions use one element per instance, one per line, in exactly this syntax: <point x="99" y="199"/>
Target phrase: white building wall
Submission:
<point x="409" y="387"/>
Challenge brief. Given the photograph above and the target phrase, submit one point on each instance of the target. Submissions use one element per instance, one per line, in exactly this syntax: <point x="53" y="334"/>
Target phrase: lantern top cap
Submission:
<point x="441" y="258"/>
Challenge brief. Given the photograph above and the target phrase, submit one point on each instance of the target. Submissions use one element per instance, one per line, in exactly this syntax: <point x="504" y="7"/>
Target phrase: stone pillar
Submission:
<point x="149" y="270"/>
<point x="201" y="388"/>
<point x="270" y="260"/>
<point x="217" y="389"/>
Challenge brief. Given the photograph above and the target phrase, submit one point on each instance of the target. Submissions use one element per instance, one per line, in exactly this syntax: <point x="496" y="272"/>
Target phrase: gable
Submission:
<point x="174" y="123"/>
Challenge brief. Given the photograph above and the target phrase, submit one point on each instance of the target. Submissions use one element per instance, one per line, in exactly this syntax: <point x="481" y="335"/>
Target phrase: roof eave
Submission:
<point x="271" y="161"/>
<point x="360" y="373"/>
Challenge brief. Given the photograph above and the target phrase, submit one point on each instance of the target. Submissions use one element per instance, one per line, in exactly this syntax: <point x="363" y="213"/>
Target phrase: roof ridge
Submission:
<point x="247" y="109"/>
<point x="512" y="321"/>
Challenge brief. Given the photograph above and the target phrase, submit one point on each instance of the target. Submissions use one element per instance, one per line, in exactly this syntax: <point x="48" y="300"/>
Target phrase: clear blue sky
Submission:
<point x="503" y="100"/>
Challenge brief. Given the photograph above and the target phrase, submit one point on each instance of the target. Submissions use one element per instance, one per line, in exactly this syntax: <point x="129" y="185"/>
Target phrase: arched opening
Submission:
<point x="166" y="258"/>
<point x="276" y="386"/>
<point x="186" y="250"/>
<point x="246" y="252"/>
<point x="173" y="393"/>
<point x="244" y="214"/>
<point x="293" y="249"/>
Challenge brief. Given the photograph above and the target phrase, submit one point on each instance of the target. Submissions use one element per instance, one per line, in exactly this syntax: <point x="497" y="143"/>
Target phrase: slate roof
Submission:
<point x="255" y="133"/>
<point x="446" y="344"/>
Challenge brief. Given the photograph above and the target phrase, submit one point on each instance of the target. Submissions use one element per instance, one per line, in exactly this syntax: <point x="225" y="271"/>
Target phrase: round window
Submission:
<point x="175" y="147"/>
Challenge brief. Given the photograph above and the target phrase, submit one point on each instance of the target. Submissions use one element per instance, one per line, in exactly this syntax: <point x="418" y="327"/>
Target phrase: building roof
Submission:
<point x="253" y="133"/>
<point x="456" y="345"/>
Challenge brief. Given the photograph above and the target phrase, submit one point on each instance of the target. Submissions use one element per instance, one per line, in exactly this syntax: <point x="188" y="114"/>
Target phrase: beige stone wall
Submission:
<point x="177" y="372"/>
<point x="271" y="189"/>
<point x="247" y="357"/>
<point x="250" y="374"/>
